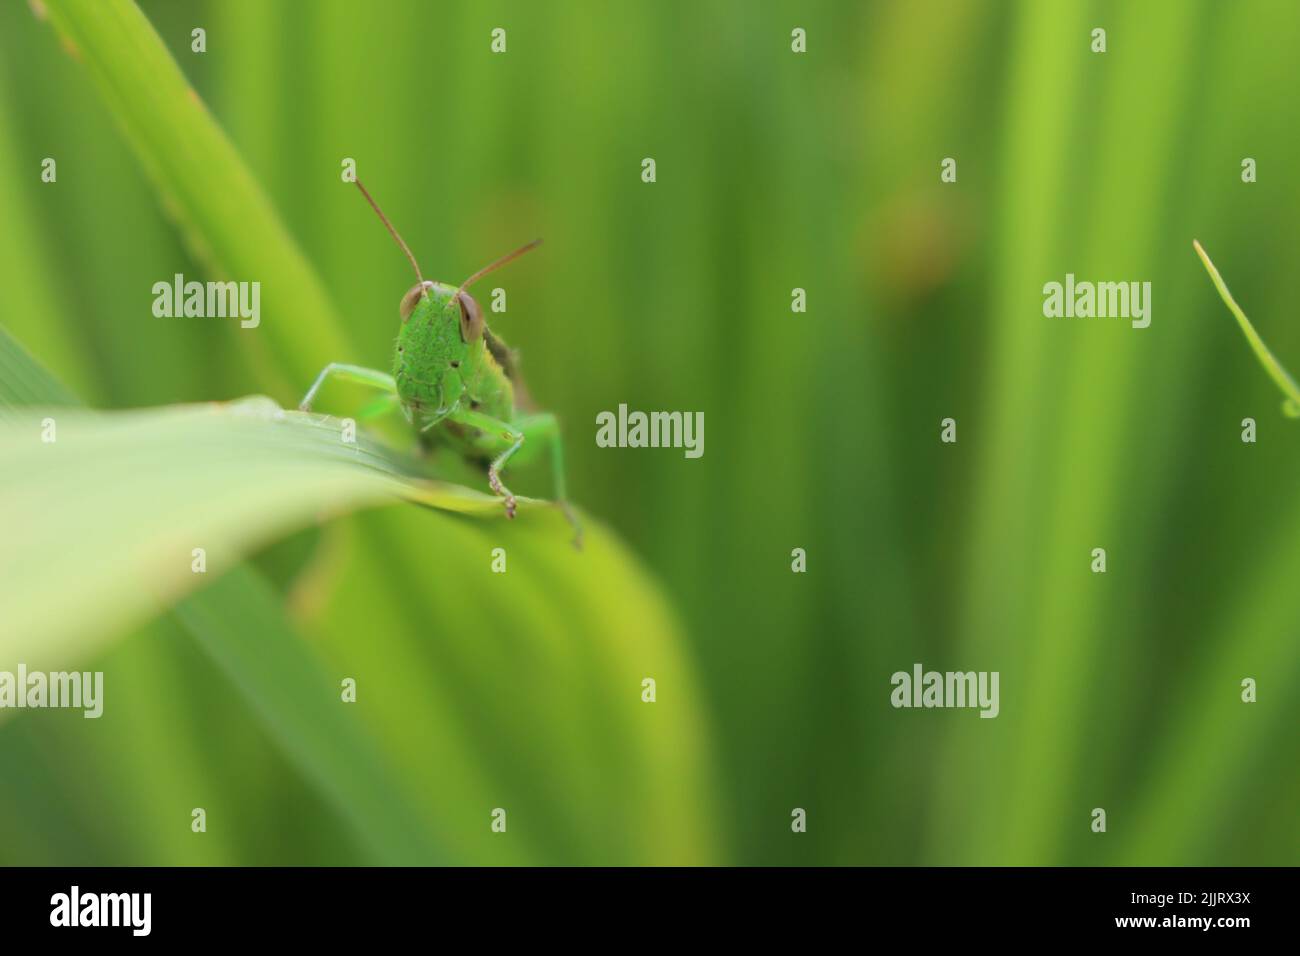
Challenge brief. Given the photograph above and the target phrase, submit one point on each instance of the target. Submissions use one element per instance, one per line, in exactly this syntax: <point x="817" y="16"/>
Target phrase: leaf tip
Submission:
<point x="1213" y="271"/>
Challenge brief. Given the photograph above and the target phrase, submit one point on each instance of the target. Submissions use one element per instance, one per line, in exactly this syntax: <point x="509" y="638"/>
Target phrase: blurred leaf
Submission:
<point x="122" y="498"/>
<point x="240" y="624"/>
<point x="23" y="382"/>
<point x="226" y="219"/>
<point x="1276" y="371"/>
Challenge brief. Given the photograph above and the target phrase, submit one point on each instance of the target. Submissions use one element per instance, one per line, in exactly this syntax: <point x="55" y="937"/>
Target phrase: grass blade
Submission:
<point x="240" y="623"/>
<point x="227" y="221"/>
<point x="1266" y="358"/>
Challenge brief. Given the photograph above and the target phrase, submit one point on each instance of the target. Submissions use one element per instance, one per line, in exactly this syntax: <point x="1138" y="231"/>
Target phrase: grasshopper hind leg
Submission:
<point x="503" y="432"/>
<point x="544" y="428"/>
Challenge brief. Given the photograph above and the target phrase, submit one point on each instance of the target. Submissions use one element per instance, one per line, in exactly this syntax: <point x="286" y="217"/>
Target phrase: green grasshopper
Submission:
<point x="452" y="374"/>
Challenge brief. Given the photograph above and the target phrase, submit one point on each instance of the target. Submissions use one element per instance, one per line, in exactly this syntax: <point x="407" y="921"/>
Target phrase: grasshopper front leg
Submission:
<point x="349" y="373"/>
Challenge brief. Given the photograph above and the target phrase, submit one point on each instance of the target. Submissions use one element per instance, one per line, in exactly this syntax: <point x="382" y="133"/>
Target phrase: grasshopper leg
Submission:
<point x="349" y="373"/>
<point x="509" y="433"/>
<point x="545" y="427"/>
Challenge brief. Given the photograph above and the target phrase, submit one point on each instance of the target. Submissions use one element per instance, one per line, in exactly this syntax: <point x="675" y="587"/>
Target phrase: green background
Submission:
<point x="775" y="171"/>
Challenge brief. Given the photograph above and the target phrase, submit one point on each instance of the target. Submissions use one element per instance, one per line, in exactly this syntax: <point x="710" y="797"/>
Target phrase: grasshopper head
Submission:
<point x="438" y="347"/>
<point x="441" y="297"/>
<point x="467" y="311"/>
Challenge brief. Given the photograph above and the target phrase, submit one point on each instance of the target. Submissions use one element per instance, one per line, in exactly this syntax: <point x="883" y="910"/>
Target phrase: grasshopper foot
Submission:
<point x="494" y="482"/>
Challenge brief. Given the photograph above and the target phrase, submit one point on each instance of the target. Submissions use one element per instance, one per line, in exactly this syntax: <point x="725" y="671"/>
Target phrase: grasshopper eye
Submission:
<point x="412" y="298"/>
<point x="471" y="318"/>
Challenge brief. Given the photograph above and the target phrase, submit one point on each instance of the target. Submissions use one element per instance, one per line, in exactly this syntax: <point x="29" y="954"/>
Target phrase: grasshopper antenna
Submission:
<point x="511" y="257"/>
<point x="384" y="219"/>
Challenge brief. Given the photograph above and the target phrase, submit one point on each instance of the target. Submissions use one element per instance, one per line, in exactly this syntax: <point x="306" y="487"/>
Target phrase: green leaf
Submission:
<point x="118" y="502"/>
<point x="225" y="218"/>
<point x="1275" y="369"/>
<point x="240" y="623"/>
<point x="23" y="382"/>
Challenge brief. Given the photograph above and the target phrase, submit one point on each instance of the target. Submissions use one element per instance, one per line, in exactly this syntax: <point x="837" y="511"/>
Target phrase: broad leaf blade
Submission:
<point x="115" y="506"/>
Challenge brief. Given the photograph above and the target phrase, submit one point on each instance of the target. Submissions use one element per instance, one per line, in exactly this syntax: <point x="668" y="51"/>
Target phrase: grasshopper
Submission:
<point x="457" y="382"/>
